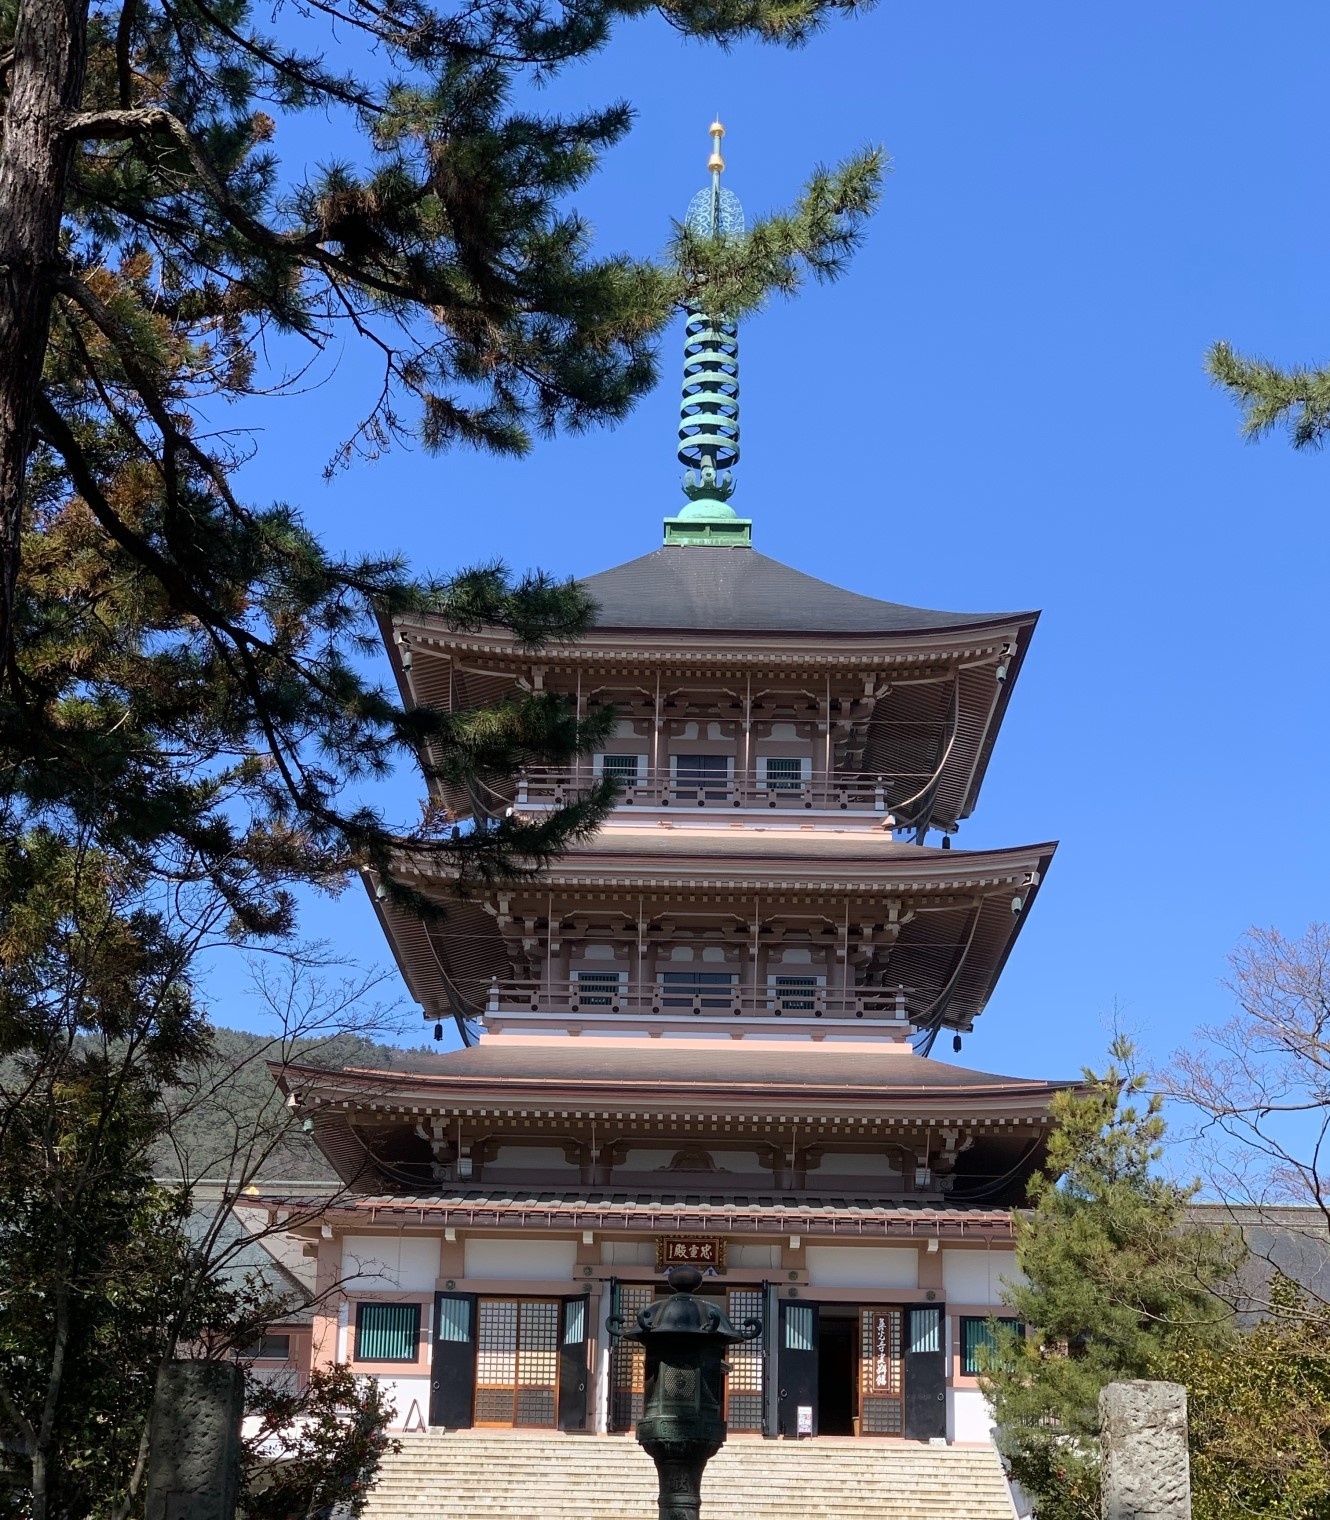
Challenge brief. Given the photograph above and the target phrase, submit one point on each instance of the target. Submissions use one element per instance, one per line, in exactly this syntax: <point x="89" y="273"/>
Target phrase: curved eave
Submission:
<point x="493" y="662"/>
<point x="975" y="887"/>
<point x="370" y="1095"/>
<point x="668" y="857"/>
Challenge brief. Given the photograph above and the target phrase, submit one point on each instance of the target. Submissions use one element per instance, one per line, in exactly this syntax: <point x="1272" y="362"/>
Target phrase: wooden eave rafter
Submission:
<point x="709" y="650"/>
<point x="387" y="1096"/>
<point x="916" y="880"/>
<point x="937" y="655"/>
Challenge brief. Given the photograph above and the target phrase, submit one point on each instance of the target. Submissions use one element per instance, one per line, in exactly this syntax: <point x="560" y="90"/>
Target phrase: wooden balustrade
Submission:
<point x="894" y="1005"/>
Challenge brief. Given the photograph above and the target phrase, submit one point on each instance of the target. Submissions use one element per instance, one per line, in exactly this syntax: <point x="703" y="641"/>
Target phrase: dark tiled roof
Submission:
<point x="711" y="589"/>
<point x="617" y="1207"/>
<point x="723" y="1063"/>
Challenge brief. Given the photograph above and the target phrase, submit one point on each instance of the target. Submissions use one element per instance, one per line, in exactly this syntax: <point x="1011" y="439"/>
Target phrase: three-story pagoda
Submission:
<point x="705" y="1034"/>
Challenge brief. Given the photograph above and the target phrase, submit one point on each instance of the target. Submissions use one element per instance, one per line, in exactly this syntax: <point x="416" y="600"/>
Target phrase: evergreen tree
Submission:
<point x="1111" y="1277"/>
<point x="106" y="1271"/>
<point x="178" y="667"/>
<point x="1297" y="399"/>
<point x="1258" y="1407"/>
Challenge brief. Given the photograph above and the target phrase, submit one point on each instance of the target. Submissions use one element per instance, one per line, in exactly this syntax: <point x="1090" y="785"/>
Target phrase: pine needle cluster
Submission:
<point x="184" y="670"/>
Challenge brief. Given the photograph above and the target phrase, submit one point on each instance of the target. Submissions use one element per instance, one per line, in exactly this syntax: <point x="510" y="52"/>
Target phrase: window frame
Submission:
<point x="255" y="1351"/>
<point x="599" y="771"/>
<point x="965" y="1352"/>
<point x="716" y="988"/>
<point x="791" y="784"/>
<point x="603" y="995"/>
<point x="369" y="1303"/>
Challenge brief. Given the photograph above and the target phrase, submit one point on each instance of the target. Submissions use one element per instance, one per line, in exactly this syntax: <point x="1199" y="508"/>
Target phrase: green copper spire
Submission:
<point x="709" y="415"/>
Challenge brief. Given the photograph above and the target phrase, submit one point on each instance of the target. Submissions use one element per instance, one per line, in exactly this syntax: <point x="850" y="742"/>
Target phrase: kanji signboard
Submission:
<point x="680" y="1250"/>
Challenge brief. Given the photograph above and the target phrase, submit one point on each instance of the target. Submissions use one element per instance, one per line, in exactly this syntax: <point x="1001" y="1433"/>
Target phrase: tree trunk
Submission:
<point x="45" y="82"/>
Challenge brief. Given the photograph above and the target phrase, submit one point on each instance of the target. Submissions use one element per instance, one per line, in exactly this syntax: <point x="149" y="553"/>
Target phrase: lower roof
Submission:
<point x="610" y="1208"/>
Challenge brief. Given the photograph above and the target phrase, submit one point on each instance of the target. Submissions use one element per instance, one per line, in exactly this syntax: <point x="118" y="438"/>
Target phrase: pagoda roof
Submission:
<point x="611" y="1208"/>
<point x="736" y="589"/>
<point x="624" y="1072"/>
<point x="767" y="852"/>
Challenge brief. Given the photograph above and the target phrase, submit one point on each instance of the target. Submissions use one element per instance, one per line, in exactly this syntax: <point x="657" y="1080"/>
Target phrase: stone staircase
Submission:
<point x="477" y="1475"/>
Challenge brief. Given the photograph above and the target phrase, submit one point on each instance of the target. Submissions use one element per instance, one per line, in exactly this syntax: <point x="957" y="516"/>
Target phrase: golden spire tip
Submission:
<point x="716" y="164"/>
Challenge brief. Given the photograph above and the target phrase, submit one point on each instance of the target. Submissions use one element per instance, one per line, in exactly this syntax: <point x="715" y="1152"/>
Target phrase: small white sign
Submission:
<point x="805" y="1424"/>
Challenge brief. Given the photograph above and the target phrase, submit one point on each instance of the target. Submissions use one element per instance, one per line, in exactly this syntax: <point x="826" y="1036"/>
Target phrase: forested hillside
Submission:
<point x="232" y="1118"/>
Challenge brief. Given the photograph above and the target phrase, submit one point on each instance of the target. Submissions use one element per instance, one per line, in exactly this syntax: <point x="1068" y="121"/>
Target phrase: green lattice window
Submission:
<point x="979" y="1342"/>
<point x="387" y="1332"/>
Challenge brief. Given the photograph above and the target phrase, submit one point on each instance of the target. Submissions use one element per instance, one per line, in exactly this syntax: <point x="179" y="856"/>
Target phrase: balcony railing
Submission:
<point x="881" y="1004"/>
<point x="842" y="791"/>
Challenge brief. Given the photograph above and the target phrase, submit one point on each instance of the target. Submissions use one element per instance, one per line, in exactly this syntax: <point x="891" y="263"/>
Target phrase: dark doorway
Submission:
<point x="836" y="1376"/>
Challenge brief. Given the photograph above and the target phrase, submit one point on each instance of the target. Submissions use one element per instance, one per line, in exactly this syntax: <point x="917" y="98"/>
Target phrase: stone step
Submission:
<point x="469" y="1475"/>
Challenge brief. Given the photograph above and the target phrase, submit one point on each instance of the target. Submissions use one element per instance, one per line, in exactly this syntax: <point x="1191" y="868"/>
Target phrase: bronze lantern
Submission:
<point x="683" y="1422"/>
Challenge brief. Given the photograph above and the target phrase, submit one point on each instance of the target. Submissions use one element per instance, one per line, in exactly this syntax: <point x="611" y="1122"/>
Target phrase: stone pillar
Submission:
<point x="1146" y="1468"/>
<point x="194" y="1463"/>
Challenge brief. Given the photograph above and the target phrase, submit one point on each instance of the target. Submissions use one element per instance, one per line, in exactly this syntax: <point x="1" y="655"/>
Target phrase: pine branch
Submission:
<point x="1297" y="399"/>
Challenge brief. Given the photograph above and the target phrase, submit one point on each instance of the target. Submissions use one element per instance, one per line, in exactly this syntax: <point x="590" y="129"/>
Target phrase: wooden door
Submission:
<point x="573" y="1363"/>
<point x="797" y="1367"/>
<point x="517" y="1362"/>
<point x="881" y="1373"/>
<point x="925" y="1374"/>
<point x="453" y="1360"/>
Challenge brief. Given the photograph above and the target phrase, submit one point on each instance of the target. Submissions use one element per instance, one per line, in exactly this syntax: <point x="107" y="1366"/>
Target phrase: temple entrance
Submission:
<point x="747" y="1361"/>
<point x="837" y="1370"/>
<point x="517" y="1362"/>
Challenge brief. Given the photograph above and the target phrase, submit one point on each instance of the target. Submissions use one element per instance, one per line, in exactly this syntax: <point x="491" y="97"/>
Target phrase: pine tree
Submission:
<point x="179" y="668"/>
<point x="1110" y="1278"/>
<point x="1297" y="399"/>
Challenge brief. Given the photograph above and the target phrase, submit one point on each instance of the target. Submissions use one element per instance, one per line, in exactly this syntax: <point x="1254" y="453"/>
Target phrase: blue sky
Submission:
<point x="1001" y="405"/>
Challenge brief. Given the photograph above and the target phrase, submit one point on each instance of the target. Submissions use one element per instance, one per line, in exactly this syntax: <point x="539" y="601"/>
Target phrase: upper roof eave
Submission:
<point x="888" y="865"/>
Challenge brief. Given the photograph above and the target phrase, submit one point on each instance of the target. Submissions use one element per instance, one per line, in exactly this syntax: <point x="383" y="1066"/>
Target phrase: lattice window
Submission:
<point x="799" y="1327"/>
<point x="925" y="1330"/>
<point x="783" y="773"/>
<point x="599" y="989"/>
<point x="881" y="1407"/>
<point x="517" y="1361"/>
<point x="454" y="1319"/>
<point x="628" y="1361"/>
<point x="743" y="1386"/>
<point x="387" y="1332"/>
<point x="795" y="994"/>
<point x="979" y="1343"/>
<point x="624" y="769"/>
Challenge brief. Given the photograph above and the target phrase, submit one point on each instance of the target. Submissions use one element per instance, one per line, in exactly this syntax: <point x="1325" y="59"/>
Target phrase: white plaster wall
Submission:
<point x="969" y="1417"/>
<point x="545" y="1158"/>
<point x="863" y="1266"/>
<point x="855" y="1164"/>
<point x="754" y="1256"/>
<point x="402" y="1391"/>
<point x="388" y="1263"/>
<point x="512" y="1260"/>
<point x="975" y="1277"/>
<point x="627" y="1253"/>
